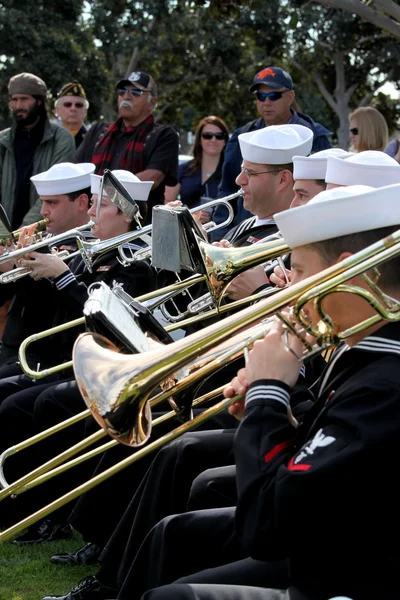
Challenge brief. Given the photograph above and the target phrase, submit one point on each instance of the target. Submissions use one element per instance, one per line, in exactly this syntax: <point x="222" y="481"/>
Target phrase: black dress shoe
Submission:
<point x="87" y="555"/>
<point x="45" y="531"/>
<point x="87" y="589"/>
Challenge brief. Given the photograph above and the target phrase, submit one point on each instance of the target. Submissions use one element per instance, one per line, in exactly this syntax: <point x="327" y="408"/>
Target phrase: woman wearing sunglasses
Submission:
<point x="368" y="130"/>
<point x="199" y="178"/>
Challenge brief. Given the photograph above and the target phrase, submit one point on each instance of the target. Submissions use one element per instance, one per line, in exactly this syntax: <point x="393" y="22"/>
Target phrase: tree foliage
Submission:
<point x="202" y="53"/>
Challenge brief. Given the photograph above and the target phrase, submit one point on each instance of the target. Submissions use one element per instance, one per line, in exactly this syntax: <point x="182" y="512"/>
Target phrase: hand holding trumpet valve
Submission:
<point x="43" y="265"/>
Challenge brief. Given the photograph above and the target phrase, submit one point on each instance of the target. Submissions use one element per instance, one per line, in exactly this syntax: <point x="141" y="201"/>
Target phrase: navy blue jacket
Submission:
<point x="233" y="160"/>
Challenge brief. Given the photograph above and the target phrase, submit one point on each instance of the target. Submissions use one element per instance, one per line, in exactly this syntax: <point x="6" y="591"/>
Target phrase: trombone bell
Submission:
<point x="101" y="373"/>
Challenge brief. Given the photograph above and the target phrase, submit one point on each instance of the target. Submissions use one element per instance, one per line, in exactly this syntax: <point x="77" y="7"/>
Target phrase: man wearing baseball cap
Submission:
<point x="273" y="88"/>
<point x="71" y="108"/>
<point x="31" y="145"/>
<point x="134" y="142"/>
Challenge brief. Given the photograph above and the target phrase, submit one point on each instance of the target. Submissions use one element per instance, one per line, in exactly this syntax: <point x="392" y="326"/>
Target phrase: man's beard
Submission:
<point x="27" y="117"/>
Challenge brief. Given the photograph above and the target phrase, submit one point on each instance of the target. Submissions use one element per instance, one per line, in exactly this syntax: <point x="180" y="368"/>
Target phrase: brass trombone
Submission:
<point x="125" y="417"/>
<point x="134" y="378"/>
<point x="221" y="266"/>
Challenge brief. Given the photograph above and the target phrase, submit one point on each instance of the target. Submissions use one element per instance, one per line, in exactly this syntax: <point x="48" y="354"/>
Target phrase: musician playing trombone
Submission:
<point x="323" y="493"/>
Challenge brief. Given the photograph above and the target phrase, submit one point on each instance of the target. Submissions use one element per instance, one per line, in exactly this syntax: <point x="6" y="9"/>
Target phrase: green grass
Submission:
<point x="26" y="572"/>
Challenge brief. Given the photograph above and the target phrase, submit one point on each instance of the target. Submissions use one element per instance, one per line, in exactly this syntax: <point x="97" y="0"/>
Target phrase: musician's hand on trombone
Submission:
<point x="278" y="277"/>
<point x="271" y="358"/>
<point x="237" y="386"/>
<point x="43" y="265"/>
<point x="222" y="244"/>
<point x="247" y="283"/>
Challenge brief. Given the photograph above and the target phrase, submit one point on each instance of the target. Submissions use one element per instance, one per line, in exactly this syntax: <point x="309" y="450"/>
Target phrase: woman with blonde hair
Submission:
<point x="368" y="129"/>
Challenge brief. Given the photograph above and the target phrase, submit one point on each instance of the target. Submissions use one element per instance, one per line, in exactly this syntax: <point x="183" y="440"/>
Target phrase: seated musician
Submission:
<point x="71" y="283"/>
<point x="321" y="494"/>
<point x="64" y="191"/>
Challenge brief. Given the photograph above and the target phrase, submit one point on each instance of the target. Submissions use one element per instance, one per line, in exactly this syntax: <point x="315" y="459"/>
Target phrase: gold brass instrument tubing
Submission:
<point x="37" y="438"/>
<point x="209" y="363"/>
<point x="14" y="235"/>
<point x="38" y="336"/>
<point x="14" y="530"/>
<point x="222" y="265"/>
<point x="35" y="478"/>
<point x="147" y="377"/>
<point x="131" y="380"/>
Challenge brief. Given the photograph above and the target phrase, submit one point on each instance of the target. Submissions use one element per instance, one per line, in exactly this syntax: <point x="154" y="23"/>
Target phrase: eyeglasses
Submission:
<point x="252" y="173"/>
<point x="208" y="135"/>
<point x="68" y="104"/>
<point x="353" y="130"/>
<point x="273" y="96"/>
<point x="131" y="91"/>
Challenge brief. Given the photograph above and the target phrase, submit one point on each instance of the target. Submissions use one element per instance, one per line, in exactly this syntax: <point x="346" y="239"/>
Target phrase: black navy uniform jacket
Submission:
<point x="32" y="308"/>
<point x="326" y="495"/>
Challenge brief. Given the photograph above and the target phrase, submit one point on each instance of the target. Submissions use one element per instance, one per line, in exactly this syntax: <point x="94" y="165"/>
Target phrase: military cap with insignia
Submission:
<point x="73" y="88"/>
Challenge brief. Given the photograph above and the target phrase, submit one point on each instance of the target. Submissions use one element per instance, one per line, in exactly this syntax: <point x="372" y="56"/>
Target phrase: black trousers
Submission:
<point x="163" y="491"/>
<point x="197" y="547"/>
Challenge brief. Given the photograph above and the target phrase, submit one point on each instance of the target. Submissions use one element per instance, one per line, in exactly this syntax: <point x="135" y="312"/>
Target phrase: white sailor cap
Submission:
<point x="370" y="167"/>
<point x="139" y="190"/>
<point x="340" y="211"/>
<point x="314" y="166"/>
<point x="63" y="178"/>
<point x="276" y="144"/>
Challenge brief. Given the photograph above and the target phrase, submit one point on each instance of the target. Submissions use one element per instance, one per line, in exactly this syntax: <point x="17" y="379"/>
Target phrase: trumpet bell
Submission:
<point x="101" y="373"/>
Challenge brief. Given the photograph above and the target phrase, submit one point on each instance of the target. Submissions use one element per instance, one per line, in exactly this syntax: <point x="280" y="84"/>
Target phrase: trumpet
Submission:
<point x="14" y="235"/>
<point x="91" y="249"/>
<point x="125" y="416"/>
<point x="20" y="272"/>
<point x="54" y="239"/>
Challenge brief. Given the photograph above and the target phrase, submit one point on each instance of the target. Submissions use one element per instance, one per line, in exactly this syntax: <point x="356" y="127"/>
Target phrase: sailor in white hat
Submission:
<point x="136" y="197"/>
<point x="64" y="191"/>
<point x="345" y="453"/>
<point x="267" y="183"/>
<point x="112" y="217"/>
<point x="371" y="167"/>
<point x="309" y="174"/>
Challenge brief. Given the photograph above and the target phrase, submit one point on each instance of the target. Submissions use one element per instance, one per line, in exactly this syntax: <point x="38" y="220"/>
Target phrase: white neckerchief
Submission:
<point x="260" y="222"/>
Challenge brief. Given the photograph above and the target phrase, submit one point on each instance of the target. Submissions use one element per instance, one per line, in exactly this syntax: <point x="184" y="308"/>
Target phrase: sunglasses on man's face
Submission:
<point x="273" y="96"/>
<point x="208" y="135"/>
<point x="68" y="104"/>
<point x="353" y="130"/>
<point x="131" y="91"/>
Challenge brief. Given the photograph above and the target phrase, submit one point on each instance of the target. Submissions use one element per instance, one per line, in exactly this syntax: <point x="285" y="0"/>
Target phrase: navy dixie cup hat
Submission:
<point x="274" y="77"/>
<point x="141" y="80"/>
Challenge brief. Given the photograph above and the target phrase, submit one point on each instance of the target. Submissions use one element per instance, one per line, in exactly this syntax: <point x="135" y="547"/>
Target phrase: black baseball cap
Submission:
<point x="141" y="80"/>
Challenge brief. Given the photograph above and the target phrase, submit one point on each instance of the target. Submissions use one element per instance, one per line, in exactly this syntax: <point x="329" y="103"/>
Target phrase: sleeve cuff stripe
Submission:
<point x="268" y="392"/>
<point x="62" y="283"/>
